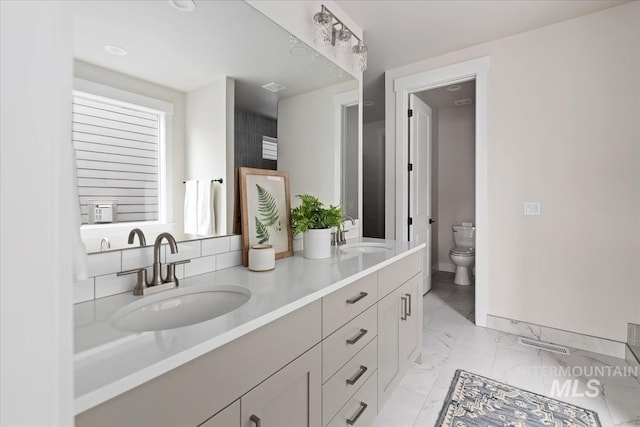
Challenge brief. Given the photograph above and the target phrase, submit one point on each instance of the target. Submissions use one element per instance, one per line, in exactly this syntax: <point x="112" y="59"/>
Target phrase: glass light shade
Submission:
<point x="360" y="57"/>
<point x="342" y="44"/>
<point x="323" y="28"/>
<point x="296" y="47"/>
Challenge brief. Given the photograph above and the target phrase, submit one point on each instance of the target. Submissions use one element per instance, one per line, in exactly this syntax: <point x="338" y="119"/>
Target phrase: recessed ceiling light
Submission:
<point x="461" y="102"/>
<point x="115" y="50"/>
<point x="183" y="5"/>
<point x="274" y="87"/>
<point x="368" y="103"/>
<point x="454" y="88"/>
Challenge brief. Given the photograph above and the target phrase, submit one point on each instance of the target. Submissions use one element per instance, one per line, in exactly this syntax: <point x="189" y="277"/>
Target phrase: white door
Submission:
<point x="420" y="182"/>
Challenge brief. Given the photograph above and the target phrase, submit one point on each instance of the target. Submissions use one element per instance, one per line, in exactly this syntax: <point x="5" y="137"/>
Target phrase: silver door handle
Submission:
<point x="409" y="297"/>
<point x="403" y="315"/>
<point x="357" y="338"/>
<point x="352" y="421"/>
<point x="255" y="420"/>
<point x="356" y="377"/>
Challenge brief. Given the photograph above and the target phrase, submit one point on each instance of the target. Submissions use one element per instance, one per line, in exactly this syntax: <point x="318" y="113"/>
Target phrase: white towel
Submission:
<point x="205" y="213"/>
<point x="191" y="207"/>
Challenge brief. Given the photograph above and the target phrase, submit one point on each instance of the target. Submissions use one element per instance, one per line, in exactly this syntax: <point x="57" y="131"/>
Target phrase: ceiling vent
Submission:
<point x="461" y="102"/>
<point x="274" y="87"/>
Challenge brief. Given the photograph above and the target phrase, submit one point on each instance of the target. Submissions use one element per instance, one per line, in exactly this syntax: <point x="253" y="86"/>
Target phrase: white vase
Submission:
<point x="316" y="244"/>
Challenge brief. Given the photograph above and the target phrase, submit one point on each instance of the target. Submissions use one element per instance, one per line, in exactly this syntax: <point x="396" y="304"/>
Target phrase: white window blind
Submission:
<point x="269" y="148"/>
<point x="117" y="152"/>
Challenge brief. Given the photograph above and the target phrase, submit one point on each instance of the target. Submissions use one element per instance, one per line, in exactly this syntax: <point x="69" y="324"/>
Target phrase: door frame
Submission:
<point x="403" y="86"/>
<point x="340" y="102"/>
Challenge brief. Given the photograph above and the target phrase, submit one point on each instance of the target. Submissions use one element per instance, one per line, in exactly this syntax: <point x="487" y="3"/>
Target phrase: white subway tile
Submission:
<point x="235" y="242"/>
<point x="186" y="250"/>
<point x="112" y="284"/>
<point x="137" y="258"/>
<point x="229" y="259"/>
<point x="104" y="263"/>
<point x="202" y="265"/>
<point x="215" y="246"/>
<point x="83" y="291"/>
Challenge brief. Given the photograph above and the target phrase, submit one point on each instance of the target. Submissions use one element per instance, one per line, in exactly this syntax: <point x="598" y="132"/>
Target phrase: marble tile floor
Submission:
<point x="452" y="341"/>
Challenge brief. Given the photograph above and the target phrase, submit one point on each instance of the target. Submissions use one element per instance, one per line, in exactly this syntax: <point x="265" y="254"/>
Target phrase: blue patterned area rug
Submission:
<point x="475" y="401"/>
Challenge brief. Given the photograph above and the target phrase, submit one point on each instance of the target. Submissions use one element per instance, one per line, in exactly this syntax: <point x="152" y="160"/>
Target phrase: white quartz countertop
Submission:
<point x="109" y="361"/>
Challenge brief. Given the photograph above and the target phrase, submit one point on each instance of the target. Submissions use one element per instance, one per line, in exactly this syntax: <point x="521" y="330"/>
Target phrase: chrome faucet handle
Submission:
<point x="341" y="240"/>
<point x="171" y="271"/>
<point x="141" y="283"/>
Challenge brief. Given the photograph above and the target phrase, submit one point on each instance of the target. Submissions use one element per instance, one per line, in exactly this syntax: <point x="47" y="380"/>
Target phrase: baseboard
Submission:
<point x="558" y="336"/>
<point x="443" y="266"/>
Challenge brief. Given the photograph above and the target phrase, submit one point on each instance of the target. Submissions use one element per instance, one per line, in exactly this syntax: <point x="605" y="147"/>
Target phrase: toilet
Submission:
<point x="463" y="254"/>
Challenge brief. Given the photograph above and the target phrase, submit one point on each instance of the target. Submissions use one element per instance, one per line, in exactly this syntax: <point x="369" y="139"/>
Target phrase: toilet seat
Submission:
<point x="462" y="251"/>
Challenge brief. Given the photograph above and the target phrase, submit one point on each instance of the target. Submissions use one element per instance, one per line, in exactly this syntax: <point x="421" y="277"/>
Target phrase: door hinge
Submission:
<point x="410" y="113"/>
<point x="410" y="221"/>
<point x="410" y="167"/>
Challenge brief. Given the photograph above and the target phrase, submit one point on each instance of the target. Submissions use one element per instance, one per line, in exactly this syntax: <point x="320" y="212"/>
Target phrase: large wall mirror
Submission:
<point x="163" y="97"/>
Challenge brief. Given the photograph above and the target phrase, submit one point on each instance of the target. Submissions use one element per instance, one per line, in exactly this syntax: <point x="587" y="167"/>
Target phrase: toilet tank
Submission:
<point x="464" y="235"/>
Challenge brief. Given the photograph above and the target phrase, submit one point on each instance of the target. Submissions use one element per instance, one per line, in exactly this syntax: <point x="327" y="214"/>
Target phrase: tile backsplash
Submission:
<point x="633" y="334"/>
<point x="206" y="255"/>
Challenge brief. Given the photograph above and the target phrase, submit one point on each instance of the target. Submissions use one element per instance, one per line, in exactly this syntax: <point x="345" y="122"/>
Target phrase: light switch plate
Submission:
<point x="532" y="208"/>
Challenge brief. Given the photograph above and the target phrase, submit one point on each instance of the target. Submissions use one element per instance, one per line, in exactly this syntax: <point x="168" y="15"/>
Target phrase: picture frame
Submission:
<point x="265" y="211"/>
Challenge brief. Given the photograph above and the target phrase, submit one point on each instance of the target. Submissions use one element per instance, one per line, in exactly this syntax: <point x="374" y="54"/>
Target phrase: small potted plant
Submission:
<point x="315" y="222"/>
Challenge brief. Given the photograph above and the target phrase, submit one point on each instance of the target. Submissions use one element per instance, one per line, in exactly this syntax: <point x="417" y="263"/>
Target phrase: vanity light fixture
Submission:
<point x="183" y="5"/>
<point x="330" y="31"/>
<point x="296" y="47"/>
<point x="115" y="50"/>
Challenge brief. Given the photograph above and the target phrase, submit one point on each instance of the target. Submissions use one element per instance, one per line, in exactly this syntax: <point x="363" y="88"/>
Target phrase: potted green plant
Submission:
<point x="315" y="222"/>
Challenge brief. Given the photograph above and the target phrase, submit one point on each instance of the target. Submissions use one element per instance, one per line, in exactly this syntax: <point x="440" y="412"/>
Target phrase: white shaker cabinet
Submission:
<point x="228" y="417"/>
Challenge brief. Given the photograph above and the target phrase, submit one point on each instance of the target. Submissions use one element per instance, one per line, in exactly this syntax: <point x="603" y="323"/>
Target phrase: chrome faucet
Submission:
<point x="140" y="234"/>
<point x="340" y="233"/>
<point x="158" y="283"/>
<point x="157" y="265"/>
<point x="104" y="244"/>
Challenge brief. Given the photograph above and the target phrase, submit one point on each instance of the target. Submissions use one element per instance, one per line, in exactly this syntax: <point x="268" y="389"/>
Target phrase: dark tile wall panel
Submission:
<point x="249" y="130"/>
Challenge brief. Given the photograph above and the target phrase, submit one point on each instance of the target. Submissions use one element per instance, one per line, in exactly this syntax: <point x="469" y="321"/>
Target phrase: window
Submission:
<point x="118" y="148"/>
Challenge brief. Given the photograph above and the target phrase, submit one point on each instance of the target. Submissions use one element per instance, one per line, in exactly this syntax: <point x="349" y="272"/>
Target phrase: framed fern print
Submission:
<point x="265" y="207"/>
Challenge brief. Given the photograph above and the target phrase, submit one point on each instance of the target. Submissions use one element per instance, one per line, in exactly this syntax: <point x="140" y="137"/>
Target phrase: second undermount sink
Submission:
<point x="179" y="307"/>
<point x="365" y="247"/>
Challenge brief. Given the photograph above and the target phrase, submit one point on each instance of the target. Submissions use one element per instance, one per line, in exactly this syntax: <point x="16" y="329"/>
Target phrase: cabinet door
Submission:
<point x="289" y="398"/>
<point x="389" y="361"/>
<point x="411" y="327"/>
<point x="228" y="417"/>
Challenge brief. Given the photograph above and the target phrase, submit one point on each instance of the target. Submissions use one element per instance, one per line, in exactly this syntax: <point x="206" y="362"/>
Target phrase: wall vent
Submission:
<point x="543" y="346"/>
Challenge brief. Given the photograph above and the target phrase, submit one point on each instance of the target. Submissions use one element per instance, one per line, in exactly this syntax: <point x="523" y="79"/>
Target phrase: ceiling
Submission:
<point x="188" y="50"/>
<point x="443" y="97"/>
<point x="401" y="32"/>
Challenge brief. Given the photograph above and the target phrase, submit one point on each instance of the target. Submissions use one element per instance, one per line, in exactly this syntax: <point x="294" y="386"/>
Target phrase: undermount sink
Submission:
<point x="365" y="247"/>
<point x="179" y="307"/>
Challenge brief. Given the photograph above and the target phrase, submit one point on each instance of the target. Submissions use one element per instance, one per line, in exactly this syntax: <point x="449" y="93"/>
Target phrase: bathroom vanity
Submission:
<point x="319" y="343"/>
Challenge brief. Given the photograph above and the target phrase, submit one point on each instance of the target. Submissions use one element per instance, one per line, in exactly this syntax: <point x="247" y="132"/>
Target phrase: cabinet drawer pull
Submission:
<point x="255" y="420"/>
<point x="409" y="304"/>
<point x="356" y="299"/>
<point x="357" y="338"/>
<point x="356" y="377"/>
<point x="403" y="315"/>
<point x="352" y="421"/>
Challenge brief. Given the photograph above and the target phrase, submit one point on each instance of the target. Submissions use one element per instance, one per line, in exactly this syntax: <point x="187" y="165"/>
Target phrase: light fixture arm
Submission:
<point x="339" y="22"/>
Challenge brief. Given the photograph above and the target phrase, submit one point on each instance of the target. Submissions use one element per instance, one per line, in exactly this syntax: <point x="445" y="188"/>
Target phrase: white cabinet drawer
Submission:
<point x="344" y="343"/>
<point x="348" y="380"/>
<point x="394" y="275"/>
<point x="346" y="303"/>
<point x="361" y="410"/>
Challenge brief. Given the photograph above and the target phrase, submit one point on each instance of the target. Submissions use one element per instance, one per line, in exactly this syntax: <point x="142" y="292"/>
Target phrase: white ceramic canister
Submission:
<point x="262" y="258"/>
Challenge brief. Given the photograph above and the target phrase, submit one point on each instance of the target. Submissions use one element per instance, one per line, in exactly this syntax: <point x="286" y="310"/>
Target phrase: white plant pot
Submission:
<point x="316" y="244"/>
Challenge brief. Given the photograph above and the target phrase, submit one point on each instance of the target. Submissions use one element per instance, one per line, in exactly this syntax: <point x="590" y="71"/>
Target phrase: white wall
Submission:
<point x="563" y="103"/>
<point x="373" y="179"/>
<point x="456" y="175"/>
<point x="306" y="142"/>
<point x="132" y="84"/>
<point x="36" y="341"/>
<point x="206" y="142"/>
